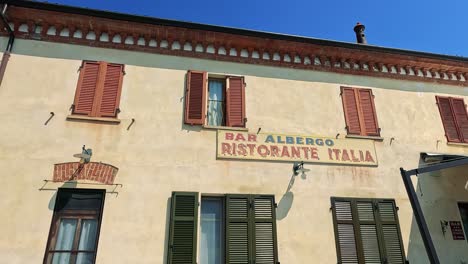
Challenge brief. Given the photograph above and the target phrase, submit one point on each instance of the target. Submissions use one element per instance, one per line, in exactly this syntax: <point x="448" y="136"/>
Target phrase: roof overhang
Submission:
<point x="59" y="23"/>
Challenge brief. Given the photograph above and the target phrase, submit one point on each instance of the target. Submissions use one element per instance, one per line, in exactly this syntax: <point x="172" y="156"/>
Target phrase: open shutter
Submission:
<point x="195" y="98"/>
<point x="264" y="221"/>
<point x="111" y="90"/>
<point x="235" y="102"/>
<point x="345" y="235"/>
<point x="448" y="119"/>
<point x="391" y="233"/>
<point x="237" y="229"/>
<point x="369" y="116"/>
<point x="86" y="88"/>
<point x="183" y="228"/>
<point x="351" y="110"/>
<point x="459" y="111"/>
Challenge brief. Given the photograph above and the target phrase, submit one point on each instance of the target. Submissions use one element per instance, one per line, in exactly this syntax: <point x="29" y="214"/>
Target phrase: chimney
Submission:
<point x="360" y="37"/>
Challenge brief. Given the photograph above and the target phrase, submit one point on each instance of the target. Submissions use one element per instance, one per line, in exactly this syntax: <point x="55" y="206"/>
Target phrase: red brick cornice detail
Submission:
<point x="93" y="171"/>
<point x="196" y="43"/>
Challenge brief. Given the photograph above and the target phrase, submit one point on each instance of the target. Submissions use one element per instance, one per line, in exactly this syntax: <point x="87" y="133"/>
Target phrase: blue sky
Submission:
<point x="430" y="25"/>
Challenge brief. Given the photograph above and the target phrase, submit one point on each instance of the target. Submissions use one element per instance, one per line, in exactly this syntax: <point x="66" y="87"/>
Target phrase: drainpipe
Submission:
<point x="11" y="40"/>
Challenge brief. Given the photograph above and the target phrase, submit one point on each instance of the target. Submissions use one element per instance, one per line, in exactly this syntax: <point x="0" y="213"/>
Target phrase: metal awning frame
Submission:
<point x="418" y="214"/>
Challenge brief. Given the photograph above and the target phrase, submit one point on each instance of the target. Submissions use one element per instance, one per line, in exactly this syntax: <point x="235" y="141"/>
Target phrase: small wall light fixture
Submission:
<point x="299" y="167"/>
<point x="85" y="155"/>
<point x="443" y="226"/>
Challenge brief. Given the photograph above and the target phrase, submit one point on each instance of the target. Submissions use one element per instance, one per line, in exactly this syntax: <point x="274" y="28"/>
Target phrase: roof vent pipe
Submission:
<point x="360" y="37"/>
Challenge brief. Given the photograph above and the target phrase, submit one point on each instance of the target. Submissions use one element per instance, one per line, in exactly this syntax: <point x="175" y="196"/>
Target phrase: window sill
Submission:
<point x="94" y="119"/>
<point x="225" y="128"/>
<point x="366" y="137"/>
<point x="457" y="144"/>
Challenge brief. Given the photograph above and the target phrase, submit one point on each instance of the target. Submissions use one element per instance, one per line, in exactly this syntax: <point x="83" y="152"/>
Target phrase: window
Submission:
<point x="75" y="227"/>
<point x="98" y="90"/>
<point x="234" y="229"/>
<point x="359" y="110"/>
<point x="454" y="118"/>
<point x="216" y="102"/>
<point x="225" y="105"/>
<point x="463" y="207"/>
<point x="367" y="231"/>
<point x="212" y="230"/>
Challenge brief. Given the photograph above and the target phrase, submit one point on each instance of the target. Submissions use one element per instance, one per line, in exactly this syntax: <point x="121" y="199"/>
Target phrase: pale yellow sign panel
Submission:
<point x="312" y="149"/>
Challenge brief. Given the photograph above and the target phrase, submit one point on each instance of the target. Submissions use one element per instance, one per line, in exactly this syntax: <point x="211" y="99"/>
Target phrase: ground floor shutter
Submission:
<point x="251" y="229"/>
<point x="367" y="231"/>
<point x="183" y="228"/>
<point x="264" y="221"/>
<point x="237" y="229"/>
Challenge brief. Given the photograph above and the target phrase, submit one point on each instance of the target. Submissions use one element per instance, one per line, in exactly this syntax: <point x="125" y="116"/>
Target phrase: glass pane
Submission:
<point x="216" y="89"/>
<point x="88" y="234"/>
<point x="85" y="258"/>
<point x="69" y="200"/>
<point x="464" y="216"/>
<point x="215" y="102"/>
<point x="215" y="113"/>
<point x="66" y="234"/>
<point x="212" y="235"/>
<point x="61" y="258"/>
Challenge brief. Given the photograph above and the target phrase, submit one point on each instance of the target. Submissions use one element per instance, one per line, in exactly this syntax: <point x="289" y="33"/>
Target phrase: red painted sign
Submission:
<point x="457" y="230"/>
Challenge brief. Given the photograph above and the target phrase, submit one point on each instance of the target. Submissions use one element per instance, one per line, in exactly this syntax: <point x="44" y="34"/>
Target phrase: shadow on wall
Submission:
<point x="70" y="184"/>
<point x="166" y="235"/>
<point x="285" y="204"/>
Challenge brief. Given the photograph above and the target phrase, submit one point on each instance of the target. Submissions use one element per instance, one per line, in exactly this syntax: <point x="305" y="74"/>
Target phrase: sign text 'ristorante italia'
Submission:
<point x="265" y="146"/>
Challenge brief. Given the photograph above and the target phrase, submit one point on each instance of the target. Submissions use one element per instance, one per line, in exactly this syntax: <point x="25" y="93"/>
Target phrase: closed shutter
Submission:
<point x="251" y="229"/>
<point x="448" y="119"/>
<point x="238" y="248"/>
<point x="345" y="233"/>
<point x="86" y="88"/>
<point x="183" y="228"/>
<point x="391" y="232"/>
<point x="195" y="98"/>
<point x="369" y="117"/>
<point x="111" y="90"/>
<point x="359" y="110"/>
<point x="264" y="221"/>
<point x="235" y="102"/>
<point x="351" y="110"/>
<point x="367" y="231"/>
<point x="459" y="110"/>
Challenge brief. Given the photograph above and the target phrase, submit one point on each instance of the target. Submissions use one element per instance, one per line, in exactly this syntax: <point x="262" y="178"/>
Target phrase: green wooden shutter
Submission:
<point x="238" y="248"/>
<point x="390" y="232"/>
<point x="369" y="244"/>
<point x="183" y="228"/>
<point x="367" y="231"/>
<point x="264" y="226"/>
<point x="345" y="233"/>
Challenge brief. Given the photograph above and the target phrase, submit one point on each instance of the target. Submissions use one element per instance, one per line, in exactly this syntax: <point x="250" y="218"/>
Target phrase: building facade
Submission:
<point x="129" y="139"/>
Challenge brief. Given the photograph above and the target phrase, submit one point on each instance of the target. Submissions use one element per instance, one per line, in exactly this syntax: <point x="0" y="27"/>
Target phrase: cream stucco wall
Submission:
<point x="159" y="154"/>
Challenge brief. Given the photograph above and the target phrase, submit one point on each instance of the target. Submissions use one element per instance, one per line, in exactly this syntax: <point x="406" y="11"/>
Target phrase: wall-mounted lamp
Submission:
<point x="443" y="226"/>
<point x="85" y="155"/>
<point x="299" y="167"/>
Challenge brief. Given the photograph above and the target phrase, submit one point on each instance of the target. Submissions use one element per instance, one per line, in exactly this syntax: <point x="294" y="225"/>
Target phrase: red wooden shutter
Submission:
<point x="351" y="111"/>
<point x="86" y="88"/>
<point x="369" y="117"/>
<point x="459" y="111"/>
<point x="111" y="90"/>
<point x="235" y="102"/>
<point x="448" y="119"/>
<point x="195" y="98"/>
